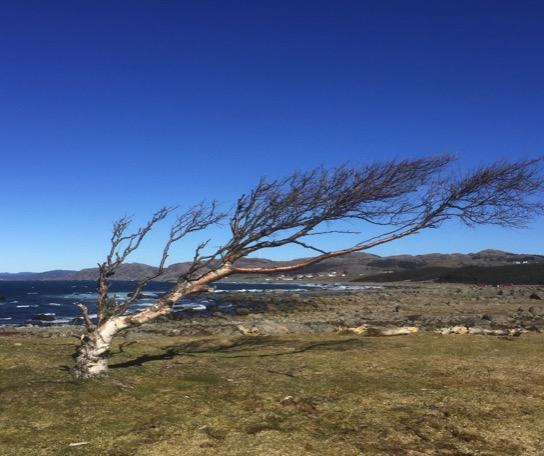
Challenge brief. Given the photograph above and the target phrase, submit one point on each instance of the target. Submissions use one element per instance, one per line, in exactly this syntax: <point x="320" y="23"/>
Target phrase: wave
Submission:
<point x="189" y="306"/>
<point x="80" y="296"/>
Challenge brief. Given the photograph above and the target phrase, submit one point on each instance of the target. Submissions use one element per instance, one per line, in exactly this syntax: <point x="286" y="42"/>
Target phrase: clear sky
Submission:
<point x="114" y="107"/>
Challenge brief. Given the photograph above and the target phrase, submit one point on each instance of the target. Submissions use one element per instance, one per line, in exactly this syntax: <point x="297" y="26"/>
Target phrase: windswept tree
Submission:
<point x="403" y="197"/>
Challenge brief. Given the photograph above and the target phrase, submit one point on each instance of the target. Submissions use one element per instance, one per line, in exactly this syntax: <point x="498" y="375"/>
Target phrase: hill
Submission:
<point x="356" y="266"/>
<point x="528" y="274"/>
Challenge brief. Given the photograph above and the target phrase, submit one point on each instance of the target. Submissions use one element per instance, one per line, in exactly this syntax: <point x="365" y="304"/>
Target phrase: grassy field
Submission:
<point x="311" y="395"/>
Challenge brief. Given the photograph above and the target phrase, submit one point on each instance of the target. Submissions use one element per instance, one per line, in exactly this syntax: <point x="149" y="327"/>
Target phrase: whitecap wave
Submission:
<point x="81" y="296"/>
<point x="189" y="306"/>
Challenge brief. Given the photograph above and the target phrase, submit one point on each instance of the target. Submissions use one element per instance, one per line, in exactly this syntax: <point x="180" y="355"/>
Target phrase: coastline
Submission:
<point x="211" y="389"/>
<point x="427" y="306"/>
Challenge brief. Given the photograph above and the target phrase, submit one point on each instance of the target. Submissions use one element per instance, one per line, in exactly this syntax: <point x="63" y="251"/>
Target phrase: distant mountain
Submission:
<point x="59" y="274"/>
<point x="128" y="271"/>
<point x="350" y="267"/>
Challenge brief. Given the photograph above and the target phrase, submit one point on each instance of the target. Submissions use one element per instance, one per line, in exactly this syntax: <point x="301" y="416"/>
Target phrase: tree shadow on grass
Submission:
<point x="243" y="347"/>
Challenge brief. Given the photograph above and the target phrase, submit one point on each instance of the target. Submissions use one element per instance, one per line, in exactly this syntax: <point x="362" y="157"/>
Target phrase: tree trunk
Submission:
<point x="92" y="355"/>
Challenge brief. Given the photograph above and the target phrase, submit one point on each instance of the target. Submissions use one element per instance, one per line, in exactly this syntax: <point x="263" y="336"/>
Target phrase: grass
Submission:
<point x="307" y="395"/>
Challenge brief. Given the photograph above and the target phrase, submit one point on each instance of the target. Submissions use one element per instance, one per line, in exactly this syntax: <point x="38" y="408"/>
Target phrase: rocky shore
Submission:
<point x="425" y="306"/>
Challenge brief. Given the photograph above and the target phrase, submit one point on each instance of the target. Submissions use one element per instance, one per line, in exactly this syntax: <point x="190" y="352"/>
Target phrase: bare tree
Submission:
<point x="404" y="197"/>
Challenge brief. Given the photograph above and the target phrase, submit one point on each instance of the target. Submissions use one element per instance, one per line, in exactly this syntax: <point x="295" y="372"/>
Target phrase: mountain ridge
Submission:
<point x="350" y="266"/>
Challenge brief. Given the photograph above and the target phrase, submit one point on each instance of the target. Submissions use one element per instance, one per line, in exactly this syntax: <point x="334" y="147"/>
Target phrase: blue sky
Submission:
<point x="114" y="107"/>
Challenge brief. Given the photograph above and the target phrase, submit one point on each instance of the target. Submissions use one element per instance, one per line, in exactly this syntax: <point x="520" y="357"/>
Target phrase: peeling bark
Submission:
<point x="92" y="355"/>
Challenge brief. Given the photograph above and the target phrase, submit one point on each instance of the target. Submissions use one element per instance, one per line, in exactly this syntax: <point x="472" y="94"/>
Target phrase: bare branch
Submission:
<point x="404" y="196"/>
<point x="500" y="194"/>
<point x="308" y="246"/>
<point x="196" y="218"/>
<point x="86" y="318"/>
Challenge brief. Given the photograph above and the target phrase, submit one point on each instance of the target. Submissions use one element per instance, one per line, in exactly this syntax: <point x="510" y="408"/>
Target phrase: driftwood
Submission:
<point x="377" y="331"/>
<point x="481" y="331"/>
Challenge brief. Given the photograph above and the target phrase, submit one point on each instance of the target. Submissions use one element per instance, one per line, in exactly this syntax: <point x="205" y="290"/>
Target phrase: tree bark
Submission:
<point x="92" y="355"/>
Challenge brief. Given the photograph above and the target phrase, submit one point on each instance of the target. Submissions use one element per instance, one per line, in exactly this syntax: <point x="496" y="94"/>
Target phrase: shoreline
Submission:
<point x="427" y="306"/>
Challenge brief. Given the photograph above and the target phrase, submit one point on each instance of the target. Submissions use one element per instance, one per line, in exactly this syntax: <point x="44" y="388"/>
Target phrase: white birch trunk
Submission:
<point x="92" y="354"/>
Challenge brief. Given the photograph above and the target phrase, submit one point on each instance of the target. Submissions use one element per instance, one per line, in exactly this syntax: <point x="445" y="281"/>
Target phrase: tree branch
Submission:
<point x="86" y="318"/>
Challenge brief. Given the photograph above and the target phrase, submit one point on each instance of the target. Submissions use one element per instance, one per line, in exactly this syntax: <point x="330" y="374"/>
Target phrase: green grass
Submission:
<point x="310" y="395"/>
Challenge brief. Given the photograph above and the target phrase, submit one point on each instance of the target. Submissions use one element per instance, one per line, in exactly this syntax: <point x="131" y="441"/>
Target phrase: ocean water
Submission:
<point x="54" y="302"/>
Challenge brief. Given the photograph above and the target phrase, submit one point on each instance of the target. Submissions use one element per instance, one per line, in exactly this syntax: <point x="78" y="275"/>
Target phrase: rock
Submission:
<point x="248" y="331"/>
<point x="243" y="311"/>
<point x="272" y="308"/>
<point x="271" y="327"/>
<point x="131" y="294"/>
<point x="47" y="316"/>
<point x="487" y="317"/>
<point x="468" y="321"/>
<point x="535" y="296"/>
<point x="287" y="400"/>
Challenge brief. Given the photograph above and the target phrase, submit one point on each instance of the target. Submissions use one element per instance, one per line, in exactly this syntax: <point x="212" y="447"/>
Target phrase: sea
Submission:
<point x="47" y="303"/>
